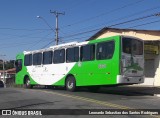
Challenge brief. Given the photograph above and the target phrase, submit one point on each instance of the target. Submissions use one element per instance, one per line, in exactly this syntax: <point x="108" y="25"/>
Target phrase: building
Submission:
<point x="151" y="49"/>
<point x="7" y="73"/>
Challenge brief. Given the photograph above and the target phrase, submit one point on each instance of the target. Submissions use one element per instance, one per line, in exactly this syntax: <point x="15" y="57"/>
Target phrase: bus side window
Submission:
<point x="72" y="54"/>
<point x="105" y="50"/>
<point x="37" y="58"/>
<point x="88" y="53"/>
<point x="59" y="56"/>
<point x="28" y="60"/>
<point x="47" y="57"/>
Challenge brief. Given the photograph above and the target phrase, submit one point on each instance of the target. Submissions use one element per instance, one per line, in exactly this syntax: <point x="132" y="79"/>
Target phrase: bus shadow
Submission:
<point x="120" y="90"/>
<point x="130" y="91"/>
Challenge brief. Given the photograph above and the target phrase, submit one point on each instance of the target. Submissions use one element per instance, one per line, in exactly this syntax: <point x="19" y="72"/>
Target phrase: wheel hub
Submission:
<point x="70" y="85"/>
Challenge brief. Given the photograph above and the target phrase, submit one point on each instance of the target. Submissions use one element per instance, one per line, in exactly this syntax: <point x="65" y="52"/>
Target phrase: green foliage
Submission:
<point x="8" y="64"/>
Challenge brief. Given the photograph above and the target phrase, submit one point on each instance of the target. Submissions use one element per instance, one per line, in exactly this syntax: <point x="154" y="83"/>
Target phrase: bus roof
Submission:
<point x="70" y="44"/>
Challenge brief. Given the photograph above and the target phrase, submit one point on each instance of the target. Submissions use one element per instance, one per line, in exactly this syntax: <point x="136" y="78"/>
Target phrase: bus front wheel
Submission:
<point x="27" y="83"/>
<point x="71" y="84"/>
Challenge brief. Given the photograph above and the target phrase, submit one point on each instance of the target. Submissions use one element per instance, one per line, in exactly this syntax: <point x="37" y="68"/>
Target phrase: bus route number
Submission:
<point x="101" y="66"/>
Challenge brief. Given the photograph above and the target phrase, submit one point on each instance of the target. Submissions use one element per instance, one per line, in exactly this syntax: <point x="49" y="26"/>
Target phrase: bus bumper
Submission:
<point x="124" y="80"/>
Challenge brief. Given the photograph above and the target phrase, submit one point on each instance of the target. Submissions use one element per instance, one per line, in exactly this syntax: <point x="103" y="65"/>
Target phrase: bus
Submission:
<point x="116" y="60"/>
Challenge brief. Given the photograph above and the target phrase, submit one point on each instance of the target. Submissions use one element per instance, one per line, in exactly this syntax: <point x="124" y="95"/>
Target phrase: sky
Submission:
<point x="21" y="30"/>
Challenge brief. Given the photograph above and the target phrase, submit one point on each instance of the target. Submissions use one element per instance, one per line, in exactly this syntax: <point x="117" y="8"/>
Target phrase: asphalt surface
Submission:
<point x="126" y="97"/>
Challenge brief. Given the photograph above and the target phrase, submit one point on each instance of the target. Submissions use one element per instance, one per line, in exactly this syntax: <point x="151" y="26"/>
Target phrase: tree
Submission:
<point x="8" y="64"/>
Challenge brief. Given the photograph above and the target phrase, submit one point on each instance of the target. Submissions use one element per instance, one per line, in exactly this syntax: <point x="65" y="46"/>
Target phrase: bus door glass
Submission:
<point x="132" y="63"/>
<point x="18" y="65"/>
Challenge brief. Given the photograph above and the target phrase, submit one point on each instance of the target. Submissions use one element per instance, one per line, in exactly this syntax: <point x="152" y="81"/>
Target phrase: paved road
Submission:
<point x="106" y="98"/>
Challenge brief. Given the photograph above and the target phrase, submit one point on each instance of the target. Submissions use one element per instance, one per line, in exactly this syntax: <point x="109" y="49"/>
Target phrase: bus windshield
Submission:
<point x="132" y="46"/>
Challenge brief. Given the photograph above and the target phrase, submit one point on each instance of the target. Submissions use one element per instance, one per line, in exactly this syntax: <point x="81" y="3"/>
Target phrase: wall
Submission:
<point x="138" y="34"/>
<point x="157" y="74"/>
<point x="149" y="72"/>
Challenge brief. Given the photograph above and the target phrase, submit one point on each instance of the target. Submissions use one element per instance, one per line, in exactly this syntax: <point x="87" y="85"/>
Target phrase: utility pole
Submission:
<point x="4" y="79"/>
<point x="56" y="31"/>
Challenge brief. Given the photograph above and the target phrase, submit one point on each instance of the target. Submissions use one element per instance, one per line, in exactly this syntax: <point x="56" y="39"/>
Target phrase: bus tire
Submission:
<point x="1" y="84"/>
<point x="27" y="83"/>
<point x="70" y="84"/>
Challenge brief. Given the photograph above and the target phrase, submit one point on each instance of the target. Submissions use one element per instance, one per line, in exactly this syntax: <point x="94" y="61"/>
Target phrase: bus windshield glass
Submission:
<point x="132" y="46"/>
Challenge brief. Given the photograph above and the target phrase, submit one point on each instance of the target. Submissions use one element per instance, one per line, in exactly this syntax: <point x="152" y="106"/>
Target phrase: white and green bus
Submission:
<point x="117" y="60"/>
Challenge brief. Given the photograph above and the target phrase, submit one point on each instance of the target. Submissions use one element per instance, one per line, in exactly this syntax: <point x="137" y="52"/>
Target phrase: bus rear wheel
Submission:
<point x="71" y="84"/>
<point x="27" y="83"/>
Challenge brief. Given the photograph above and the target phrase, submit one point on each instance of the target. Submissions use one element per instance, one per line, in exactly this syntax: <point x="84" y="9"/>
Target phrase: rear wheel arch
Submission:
<point x="69" y="75"/>
<point x="27" y="82"/>
<point x="25" y="78"/>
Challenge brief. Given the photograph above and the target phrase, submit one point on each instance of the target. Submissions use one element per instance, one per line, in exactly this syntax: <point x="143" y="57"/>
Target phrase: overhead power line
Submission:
<point x="145" y="24"/>
<point x="80" y="33"/>
<point x="30" y="35"/>
<point x="136" y="19"/>
<point x="45" y="22"/>
<point x="42" y="39"/>
<point x="117" y="24"/>
<point x="69" y="36"/>
<point x="47" y="44"/>
<point x="137" y="13"/>
<point x="23" y="29"/>
<point x="102" y="14"/>
<point x="124" y="17"/>
<point x="18" y="44"/>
